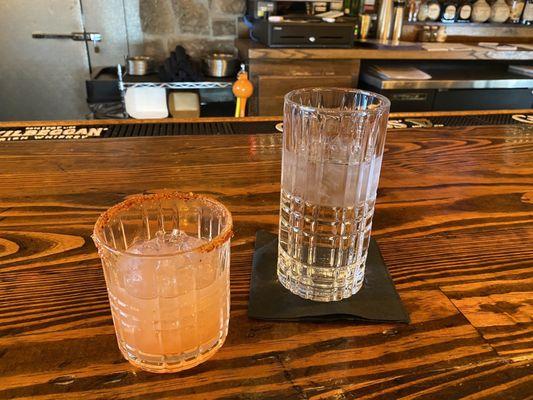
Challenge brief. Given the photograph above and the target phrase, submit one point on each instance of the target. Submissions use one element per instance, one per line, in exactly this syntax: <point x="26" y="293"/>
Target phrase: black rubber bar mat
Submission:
<point x="61" y="132"/>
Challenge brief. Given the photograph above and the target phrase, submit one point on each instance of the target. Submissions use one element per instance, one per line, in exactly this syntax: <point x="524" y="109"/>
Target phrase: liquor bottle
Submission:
<point x="384" y="30"/>
<point x="411" y="16"/>
<point x="527" y="16"/>
<point x="425" y="34"/>
<point x="369" y="6"/>
<point x="357" y="7"/>
<point x="441" y="34"/>
<point x="336" y="6"/>
<point x="413" y="8"/>
<point x="465" y="11"/>
<point x="480" y="11"/>
<point x="347" y="6"/>
<point x="433" y="10"/>
<point x="397" y="20"/>
<point x="434" y="33"/>
<point x="516" y="6"/>
<point x="499" y="12"/>
<point x="320" y="7"/>
<point x="449" y="11"/>
<point x="422" y="11"/>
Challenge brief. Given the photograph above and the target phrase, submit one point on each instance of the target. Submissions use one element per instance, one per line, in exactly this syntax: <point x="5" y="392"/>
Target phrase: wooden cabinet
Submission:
<point x="275" y="71"/>
<point x="272" y="79"/>
<point x="272" y="89"/>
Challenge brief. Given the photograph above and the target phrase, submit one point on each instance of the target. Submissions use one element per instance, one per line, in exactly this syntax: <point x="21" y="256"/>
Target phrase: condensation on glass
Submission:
<point x="166" y="260"/>
<point x="333" y="143"/>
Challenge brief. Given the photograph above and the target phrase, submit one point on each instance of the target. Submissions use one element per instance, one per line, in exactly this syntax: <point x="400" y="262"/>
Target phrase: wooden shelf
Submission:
<point x="474" y="32"/>
<point x="470" y="24"/>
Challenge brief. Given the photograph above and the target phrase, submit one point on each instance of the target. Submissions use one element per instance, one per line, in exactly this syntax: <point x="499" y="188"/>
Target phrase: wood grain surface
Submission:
<point x="454" y="221"/>
<point x="473" y="32"/>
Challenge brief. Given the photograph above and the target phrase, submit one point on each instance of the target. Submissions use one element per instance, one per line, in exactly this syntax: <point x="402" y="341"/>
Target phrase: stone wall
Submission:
<point x="157" y="26"/>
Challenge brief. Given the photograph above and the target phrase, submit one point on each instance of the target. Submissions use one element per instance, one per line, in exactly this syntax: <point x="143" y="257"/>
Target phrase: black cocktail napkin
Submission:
<point x="376" y="301"/>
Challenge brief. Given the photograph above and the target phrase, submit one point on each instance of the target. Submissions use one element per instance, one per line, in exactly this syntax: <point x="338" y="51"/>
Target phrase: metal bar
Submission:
<point x="39" y="35"/>
<point x="179" y="85"/>
<point x="122" y="90"/>
<point x="505" y="83"/>
<point x="77" y="36"/>
<point x="82" y="16"/>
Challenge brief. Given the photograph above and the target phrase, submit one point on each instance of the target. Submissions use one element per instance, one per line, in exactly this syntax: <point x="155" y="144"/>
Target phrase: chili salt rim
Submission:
<point x="220" y="209"/>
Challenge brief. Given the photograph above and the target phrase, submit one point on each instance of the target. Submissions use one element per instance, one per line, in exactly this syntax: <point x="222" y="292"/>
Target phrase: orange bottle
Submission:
<point x="242" y="89"/>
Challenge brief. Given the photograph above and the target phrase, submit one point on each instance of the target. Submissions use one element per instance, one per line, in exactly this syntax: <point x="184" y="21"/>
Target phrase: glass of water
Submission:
<point x="166" y="265"/>
<point x="333" y="143"/>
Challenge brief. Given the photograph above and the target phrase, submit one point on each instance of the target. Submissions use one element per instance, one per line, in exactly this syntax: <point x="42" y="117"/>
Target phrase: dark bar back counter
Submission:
<point x="462" y="76"/>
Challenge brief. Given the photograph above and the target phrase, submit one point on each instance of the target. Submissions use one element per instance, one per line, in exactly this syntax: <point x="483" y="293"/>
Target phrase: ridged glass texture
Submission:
<point x="333" y="143"/>
<point x="170" y="310"/>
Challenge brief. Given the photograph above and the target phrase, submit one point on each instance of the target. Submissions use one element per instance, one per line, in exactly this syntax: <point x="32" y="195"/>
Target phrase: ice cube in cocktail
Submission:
<point x="333" y="144"/>
<point x="158" y="302"/>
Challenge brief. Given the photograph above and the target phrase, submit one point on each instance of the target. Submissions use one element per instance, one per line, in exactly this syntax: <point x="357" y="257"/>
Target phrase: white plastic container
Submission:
<point x="146" y="102"/>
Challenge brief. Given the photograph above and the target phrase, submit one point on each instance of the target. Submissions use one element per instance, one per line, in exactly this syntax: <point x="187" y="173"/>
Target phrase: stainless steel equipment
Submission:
<point x="42" y="76"/>
<point x="508" y="82"/>
<point x="139" y="65"/>
<point x="454" y="87"/>
<point x="386" y="10"/>
<point x="364" y="26"/>
<point x="77" y="36"/>
<point x="399" y="9"/>
<point x="220" y="65"/>
<point x="41" y="79"/>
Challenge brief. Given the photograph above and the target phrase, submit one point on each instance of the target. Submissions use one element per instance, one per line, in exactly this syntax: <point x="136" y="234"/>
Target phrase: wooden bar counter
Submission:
<point x="454" y="222"/>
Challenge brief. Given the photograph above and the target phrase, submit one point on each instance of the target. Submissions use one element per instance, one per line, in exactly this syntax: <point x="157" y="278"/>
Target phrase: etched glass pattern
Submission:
<point x="166" y="262"/>
<point x="333" y="143"/>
